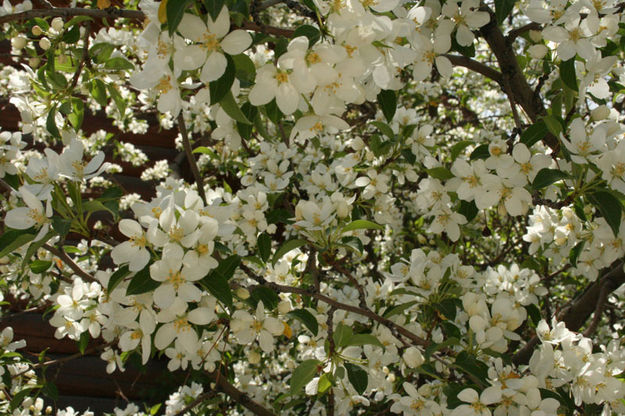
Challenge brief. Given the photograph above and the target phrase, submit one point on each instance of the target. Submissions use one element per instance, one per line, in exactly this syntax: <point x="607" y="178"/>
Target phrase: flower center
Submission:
<point x="210" y="42"/>
<point x="282" y="77"/>
<point x="175" y="279"/>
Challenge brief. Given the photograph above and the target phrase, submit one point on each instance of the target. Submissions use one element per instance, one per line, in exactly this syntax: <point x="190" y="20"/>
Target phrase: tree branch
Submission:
<point x="67" y="12"/>
<point x="487" y="71"/>
<point x="238" y="396"/>
<point x="189" y="152"/>
<point x="68" y="260"/>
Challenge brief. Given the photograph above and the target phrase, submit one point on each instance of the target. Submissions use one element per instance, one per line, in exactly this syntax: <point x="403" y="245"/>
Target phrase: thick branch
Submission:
<point x="580" y="310"/>
<point x="238" y="396"/>
<point x="74" y="11"/>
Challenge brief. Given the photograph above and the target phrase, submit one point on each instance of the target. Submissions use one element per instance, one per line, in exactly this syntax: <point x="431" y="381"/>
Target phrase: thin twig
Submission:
<point x="192" y="163"/>
<point x="83" y="57"/>
<point x="67" y="12"/>
<point x="68" y="260"/>
<point x="603" y="297"/>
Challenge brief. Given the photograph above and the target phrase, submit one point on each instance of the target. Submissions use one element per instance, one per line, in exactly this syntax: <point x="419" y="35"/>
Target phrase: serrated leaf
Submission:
<point x="117" y="98"/>
<point x="357" y="376"/>
<point x="546" y="177"/>
<point x="388" y="102"/>
<point x="264" y="246"/>
<point x="503" y="9"/>
<point x="610" y="208"/>
<point x="395" y="310"/>
<point x="61" y="225"/>
<point x="305" y="318"/>
<point x="468" y="209"/>
<point x="303" y="374"/>
<point x="117" y="277"/>
<point x="11" y="240"/>
<point x="245" y="70"/>
<point x="219" y="88"/>
<point x="567" y="74"/>
<point x="72" y="35"/>
<point x="471" y="365"/>
<point x="311" y="32"/>
<point x="534" y="133"/>
<point x="101" y="52"/>
<point x="457" y="148"/>
<point x="231" y="108"/>
<point x="98" y="92"/>
<point x="362" y="225"/>
<point x="141" y="282"/>
<point x="440" y="172"/>
<point x="227" y="267"/>
<point x="286" y="247"/>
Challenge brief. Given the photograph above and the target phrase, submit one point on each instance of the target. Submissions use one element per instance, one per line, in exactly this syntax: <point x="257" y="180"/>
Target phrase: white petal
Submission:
<point x="192" y="27"/>
<point x="214" y="67"/>
<point x="236" y="42"/>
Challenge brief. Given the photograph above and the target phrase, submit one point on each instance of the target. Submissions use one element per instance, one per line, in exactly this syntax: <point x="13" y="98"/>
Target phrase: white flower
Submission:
<point x="247" y="327"/>
<point x="212" y="38"/>
<point x="177" y="280"/>
<point x="33" y="214"/>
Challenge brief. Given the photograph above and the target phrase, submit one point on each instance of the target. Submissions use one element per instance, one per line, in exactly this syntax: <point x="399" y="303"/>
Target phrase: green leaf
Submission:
<point x="268" y="296"/>
<point x="286" y="247"/>
<point x="303" y="374"/>
<point x="610" y="208"/>
<point x="78" y="113"/>
<point x="245" y="70"/>
<point x="51" y="123"/>
<point x="11" y="240"/>
<point x="83" y="342"/>
<point x="342" y="335"/>
<point x="19" y="397"/>
<point x="101" y="52"/>
<point x="141" y="282"/>
<point x="311" y="32"/>
<point x="219" y="88"/>
<point x="384" y="128"/>
<point x="218" y="286"/>
<point x="388" y="101"/>
<point x="174" y="11"/>
<point x="213" y="7"/>
<point x="98" y="91"/>
<point x="503" y="9"/>
<point x="470" y="365"/>
<point x="395" y="310"/>
<point x="251" y="113"/>
<point x="357" y="376"/>
<point x="324" y="383"/>
<point x="364" y="339"/>
<point x="61" y="225"/>
<point x="117" y="277"/>
<point x="227" y="267"/>
<point x="546" y="177"/>
<point x="264" y="246"/>
<point x="440" y="172"/>
<point x="116" y="96"/>
<point x="457" y="148"/>
<point x="534" y="133"/>
<point x="119" y="64"/>
<point x="362" y="225"/>
<point x="468" y="209"/>
<point x="39" y="266"/>
<point x="273" y="112"/>
<point x="72" y="35"/>
<point x="231" y="108"/>
<point x="567" y="74"/>
<point x="553" y="125"/>
<point x="305" y="318"/>
<point x="480" y="152"/>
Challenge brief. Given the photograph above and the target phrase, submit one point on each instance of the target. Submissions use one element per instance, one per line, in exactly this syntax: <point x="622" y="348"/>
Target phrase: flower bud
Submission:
<point x="253" y="357"/>
<point x="57" y="24"/>
<point x="243" y="293"/>
<point x="34" y="62"/>
<point x="284" y="307"/>
<point x="36" y="30"/>
<point x="19" y="42"/>
<point x="44" y="43"/>
<point x="538" y="51"/>
<point x="413" y="357"/>
<point x="536" y="35"/>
